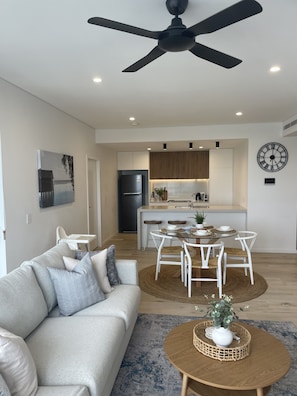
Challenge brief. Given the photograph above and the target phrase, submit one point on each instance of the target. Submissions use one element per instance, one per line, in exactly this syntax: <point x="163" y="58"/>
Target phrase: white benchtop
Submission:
<point x="202" y="208"/>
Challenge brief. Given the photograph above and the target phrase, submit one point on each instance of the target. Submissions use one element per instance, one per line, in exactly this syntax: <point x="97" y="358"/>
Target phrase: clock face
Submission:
<point x="272" y="157"/>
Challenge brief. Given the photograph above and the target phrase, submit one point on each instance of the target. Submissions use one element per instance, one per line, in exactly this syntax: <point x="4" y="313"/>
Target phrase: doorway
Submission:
<point x="93" y="199"/>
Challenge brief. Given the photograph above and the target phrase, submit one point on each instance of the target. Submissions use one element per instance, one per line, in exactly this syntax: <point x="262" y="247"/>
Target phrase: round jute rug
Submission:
<point x="170" y="287"/>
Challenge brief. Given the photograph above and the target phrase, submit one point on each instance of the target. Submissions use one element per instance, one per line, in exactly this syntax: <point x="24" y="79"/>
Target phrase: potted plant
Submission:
<point x="199" y="218"/>
<point x="221" y="311"/>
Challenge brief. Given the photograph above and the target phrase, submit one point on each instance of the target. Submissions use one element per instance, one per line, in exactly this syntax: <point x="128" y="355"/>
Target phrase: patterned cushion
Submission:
<point x="112" y="272"/>
<point x="99" y="267"/>
<point x="78" y="289"/>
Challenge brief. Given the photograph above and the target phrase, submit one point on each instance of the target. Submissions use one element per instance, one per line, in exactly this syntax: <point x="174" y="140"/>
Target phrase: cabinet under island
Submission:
<point x="216" y="215"/>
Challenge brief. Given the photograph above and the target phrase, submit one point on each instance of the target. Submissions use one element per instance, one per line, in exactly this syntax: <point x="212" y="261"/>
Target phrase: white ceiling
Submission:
<point x="48" y="49"/>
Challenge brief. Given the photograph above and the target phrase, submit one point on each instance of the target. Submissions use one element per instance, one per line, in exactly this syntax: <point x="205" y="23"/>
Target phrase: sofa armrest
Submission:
<point x="128" y="271"/>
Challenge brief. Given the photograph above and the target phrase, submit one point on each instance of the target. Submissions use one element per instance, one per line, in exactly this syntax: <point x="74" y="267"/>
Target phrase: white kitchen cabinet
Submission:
<point x="221" y="176"/>
<point x="133" y="160"/>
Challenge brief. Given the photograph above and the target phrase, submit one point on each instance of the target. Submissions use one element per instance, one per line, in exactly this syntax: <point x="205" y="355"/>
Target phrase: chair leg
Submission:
<point x="219" y="282"/>
<point x="189" y="282"/>
<point x="158" y="266"/>
<point x="251" y="275"/>
<point x="225" y="268"/>
<point x="182" y="265"/>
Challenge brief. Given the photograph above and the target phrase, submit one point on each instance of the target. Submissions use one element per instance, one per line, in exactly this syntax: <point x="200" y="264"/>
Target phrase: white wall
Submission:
<point x="26" y="125"/>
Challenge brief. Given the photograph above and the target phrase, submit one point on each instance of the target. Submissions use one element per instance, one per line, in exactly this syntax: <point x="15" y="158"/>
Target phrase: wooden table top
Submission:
<point x="269" y="360"/>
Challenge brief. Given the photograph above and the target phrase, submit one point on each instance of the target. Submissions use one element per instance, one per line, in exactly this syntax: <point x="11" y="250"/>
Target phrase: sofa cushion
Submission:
<point x="22" y="303"/>
<point x="112" y="272"/>
<point x="17" y="365"/>
<point x="51" y="258"/>
<point x="99" y="267"/>
<point x="4" y="391"/>
<point x="77" y="351"/>
<point x="123" y="303"/>
<point x="77" y="289"/>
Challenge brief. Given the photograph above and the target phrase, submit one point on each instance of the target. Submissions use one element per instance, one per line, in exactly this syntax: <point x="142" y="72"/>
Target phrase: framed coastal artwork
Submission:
<point x="55" y="178"/>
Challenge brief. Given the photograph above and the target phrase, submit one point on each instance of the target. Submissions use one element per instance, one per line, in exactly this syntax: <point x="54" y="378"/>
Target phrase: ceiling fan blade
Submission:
<point x="214" y="56"/>
<point x="235" y="13"/>
<point x="123" y="27"/>
<point x="154" y="54"/>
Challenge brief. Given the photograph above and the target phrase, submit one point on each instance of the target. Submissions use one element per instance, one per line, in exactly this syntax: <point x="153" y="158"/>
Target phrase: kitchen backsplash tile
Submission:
<point x="181" y="189"/>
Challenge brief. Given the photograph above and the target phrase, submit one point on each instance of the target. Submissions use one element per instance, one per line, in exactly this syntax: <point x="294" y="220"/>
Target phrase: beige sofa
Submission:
<point x="77" y="354"/>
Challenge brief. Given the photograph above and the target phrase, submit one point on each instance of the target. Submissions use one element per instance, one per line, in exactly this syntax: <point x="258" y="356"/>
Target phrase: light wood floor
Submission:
<point x="279" y="302"/>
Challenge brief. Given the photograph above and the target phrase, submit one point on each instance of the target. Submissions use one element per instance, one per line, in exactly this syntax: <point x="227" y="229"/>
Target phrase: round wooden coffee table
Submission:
<point x="268" y="361"/>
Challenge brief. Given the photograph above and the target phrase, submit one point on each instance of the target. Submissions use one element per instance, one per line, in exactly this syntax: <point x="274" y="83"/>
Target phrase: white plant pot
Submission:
<point x="222" y="337"/>
<point x="199" y="226"/>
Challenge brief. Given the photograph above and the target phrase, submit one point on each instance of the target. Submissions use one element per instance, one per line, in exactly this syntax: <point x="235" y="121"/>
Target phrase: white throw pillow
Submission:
<point x="99" y="267"/>
<point x="17" y="365"/>
<point x="70" y="263"/>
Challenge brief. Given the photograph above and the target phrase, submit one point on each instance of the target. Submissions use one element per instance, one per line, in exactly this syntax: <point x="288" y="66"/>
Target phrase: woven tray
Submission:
<point x="236" y="351"/>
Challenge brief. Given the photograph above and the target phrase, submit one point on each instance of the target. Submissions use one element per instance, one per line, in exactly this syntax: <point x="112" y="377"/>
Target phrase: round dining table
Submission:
<point x="192" y="234"/>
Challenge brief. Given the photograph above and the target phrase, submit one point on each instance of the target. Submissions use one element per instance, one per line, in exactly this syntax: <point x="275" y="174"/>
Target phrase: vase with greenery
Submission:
<point x="222" y="313"/>
<point x="199" y="218"/>
<point x="159" y="192"/>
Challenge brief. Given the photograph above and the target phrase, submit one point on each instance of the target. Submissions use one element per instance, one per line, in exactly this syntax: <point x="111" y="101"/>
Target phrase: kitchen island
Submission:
<point x="216" y="215"/>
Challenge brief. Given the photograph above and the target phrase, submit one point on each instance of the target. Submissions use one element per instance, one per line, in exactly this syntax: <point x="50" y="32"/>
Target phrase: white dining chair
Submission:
<point x="167" y="255"/>
<point x="74" y="240"/>
<point x="240" y="257"/>
<point x="204" y="259"/>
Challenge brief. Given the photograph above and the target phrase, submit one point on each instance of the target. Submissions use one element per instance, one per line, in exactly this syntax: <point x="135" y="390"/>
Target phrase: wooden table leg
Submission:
<point x="184" y="385"/>
<point x="260" y="392"/>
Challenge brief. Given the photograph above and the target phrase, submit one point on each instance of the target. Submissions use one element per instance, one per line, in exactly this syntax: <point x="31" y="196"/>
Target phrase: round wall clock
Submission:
<point x="272" y="157"/>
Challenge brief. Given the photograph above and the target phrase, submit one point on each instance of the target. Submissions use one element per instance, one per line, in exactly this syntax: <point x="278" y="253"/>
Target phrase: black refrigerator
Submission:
<point x="131" y="197"/>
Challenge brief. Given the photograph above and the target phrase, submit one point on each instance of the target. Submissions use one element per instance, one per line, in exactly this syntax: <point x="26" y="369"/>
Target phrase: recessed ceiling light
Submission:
<point x="239" y="113"/>
<point x="201" y="147"/>
<point x="149" y="149"/>
<point x="131" y="118"/>
<point x="274" y="69"/>
<point x="97" y="80"/>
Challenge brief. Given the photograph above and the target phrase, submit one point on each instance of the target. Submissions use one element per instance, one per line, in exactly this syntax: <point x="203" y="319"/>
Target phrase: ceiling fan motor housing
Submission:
<point x="176" y="37"/>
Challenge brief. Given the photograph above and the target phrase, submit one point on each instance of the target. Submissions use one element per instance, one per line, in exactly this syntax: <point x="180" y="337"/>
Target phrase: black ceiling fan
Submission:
<point x="177" y="37"/>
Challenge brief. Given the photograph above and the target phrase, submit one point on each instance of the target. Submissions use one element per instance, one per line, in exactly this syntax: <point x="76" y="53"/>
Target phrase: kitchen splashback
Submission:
<point x="181" y="189"/>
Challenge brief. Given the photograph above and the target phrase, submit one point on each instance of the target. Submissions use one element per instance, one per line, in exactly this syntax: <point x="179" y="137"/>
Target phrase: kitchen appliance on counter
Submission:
<point x="201" y="196"/>
<point x="131" y="197"/>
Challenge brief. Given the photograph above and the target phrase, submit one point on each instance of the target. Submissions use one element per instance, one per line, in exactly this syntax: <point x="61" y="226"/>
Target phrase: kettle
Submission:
<point x="198" y="196"/>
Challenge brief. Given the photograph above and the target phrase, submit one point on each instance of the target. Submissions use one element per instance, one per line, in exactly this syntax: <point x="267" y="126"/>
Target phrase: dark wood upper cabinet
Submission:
<point x="179" y="165"/>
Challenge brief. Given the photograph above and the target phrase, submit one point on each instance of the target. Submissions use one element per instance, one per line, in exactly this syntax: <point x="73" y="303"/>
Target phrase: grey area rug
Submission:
<point x="145" y="369"/>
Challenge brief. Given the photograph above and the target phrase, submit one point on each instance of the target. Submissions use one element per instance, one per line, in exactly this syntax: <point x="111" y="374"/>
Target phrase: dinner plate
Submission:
<point x="202" y="232"/>
<point x="224" y="228"/>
